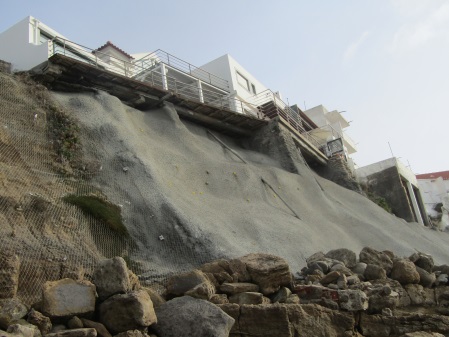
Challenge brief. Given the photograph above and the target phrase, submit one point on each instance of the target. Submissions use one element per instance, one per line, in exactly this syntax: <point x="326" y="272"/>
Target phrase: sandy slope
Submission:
<point x="182" y="184"/>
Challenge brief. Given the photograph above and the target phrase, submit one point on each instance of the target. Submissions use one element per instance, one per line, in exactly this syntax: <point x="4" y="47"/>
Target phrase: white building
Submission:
<point x="434" y="187"/>
<point x="395" y="182"/>
<point x="331" y="126"/>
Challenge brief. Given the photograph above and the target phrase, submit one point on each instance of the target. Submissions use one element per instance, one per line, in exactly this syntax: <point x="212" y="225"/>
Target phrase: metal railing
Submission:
<point x="272" y="106"/>
<point x="159" y="55"/>
<point x="149" y="70"/>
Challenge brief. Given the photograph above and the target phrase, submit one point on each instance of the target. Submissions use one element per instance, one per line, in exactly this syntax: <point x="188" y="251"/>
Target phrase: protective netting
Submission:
<point x="52" y="238"/>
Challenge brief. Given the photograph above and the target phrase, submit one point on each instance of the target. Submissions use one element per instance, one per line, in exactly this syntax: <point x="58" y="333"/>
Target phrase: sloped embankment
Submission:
<point x="186" y="199"/>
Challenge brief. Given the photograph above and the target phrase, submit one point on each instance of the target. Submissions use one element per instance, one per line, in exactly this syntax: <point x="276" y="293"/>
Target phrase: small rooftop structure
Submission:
<point x="395" y="182"/>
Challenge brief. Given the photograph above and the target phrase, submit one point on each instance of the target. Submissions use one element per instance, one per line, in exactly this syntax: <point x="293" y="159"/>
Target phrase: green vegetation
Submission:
<point x="100" y="209"/>
<point x="380" y="202"/>
<point x="64" y="132"/>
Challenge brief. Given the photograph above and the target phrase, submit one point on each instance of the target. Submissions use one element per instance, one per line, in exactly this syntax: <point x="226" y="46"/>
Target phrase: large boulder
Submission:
<point x="348" y="257"/>
<point x="404" y="271"/>
<point x="268" y="271"/>
<point x="424" y="261"/>
<point x="179" y="284"/>
<point x="202" y="291"/>
<point x="129" y="311"/>
<point x="111" y="277"/>
<point x="371" y="256"/>
<point x="426" y="279"/>
<point x="11" y="309"/>
<point x="187" y="316"/>
<point x="374" y="272"/>
<point x="24" y="330"/>
<point x="9" y="274"/>
<point x="68" y="297"/>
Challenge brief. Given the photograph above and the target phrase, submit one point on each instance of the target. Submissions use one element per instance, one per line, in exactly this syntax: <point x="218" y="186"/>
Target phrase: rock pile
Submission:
<point x="336" y="295"/>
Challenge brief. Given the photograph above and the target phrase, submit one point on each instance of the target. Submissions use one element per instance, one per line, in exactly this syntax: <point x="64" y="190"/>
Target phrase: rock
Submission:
<point x="68" y="297"/>
<point x="330" y="278"/>
<point x="57" y="328"/>
<point x="424" y="261"/>
<point x="420" y="296"/>
<point x="395" y="286"/>
<point x="88" y="332"/>
<point x="157" y="299"/>
<point x="319" y="256"/>
<point x="131" y="333"/>
<point x="235" y="288"/>
<point x="249" y="298"/>
<point x="187" y="316"/>
<point x="374" y="272"/>
<point x="342" y="269"/>
<point x="380" y="302"/>
<point x="443" y="269"/>
<point x="101" y="329"/>
<point x="232" y="310"/>
<point x="239" y="272"/>
<point x="384" y="326"/>
<point x="422" y="334"/>
<point x="281" y="295"/>
<point x="353" y="300"/>
<point x="261" y="320"/>
<point x="178" y="285"/>
<point x="293" y="299"/>
<point x="220" y="269"/>
<point x="11" y="309"/>
<point x="41" y="321"/>
<point x="129" y="311"/>
<point x="359" y="268"/>
<point x="23" y="331"/>
<point x="313" y="279"/>
<point x="202" y="291"/>
<point x="442" y="279"/>
<point x="134" y="281"/>
<point x="219" y="299"/>
<point x="317" y="321"/>
<point x="348" y="257"/>
<point x="351" y="280"/>
<point x="268" y="271"/>
<point x="342" y="282"/>
<point x="404" y="271"/>
<point x="371" y="256"/>
<point x="315" y="292"/>
<point x="111" y="277"/>
<point x="426" y="279"/>
<point x="9" y="274"/>
<point x="75" y="323"/>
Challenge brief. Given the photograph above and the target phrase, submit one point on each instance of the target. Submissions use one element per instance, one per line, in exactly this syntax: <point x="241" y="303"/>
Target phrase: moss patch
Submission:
<point x="100" y="209"/>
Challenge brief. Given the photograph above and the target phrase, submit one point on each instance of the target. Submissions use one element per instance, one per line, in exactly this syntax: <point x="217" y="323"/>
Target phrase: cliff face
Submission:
<point x="184" y="198"/>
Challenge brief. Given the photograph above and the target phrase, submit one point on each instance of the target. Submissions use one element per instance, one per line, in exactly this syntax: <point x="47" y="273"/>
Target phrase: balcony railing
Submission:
<point x="149" y="70"/>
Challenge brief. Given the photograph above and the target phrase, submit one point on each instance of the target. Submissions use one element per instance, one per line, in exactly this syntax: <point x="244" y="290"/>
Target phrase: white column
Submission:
<point x="415" y="205"/>
<point x="164" y="77"/>
<point x="200" y="91"/>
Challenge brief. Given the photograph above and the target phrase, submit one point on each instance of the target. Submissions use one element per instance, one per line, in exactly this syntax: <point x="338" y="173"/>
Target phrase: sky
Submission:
<point x="385" y="63"/>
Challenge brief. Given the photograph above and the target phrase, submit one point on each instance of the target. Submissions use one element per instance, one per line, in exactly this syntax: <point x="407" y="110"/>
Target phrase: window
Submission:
<point x="253" y="87"/>
<point x="242" y="81"/>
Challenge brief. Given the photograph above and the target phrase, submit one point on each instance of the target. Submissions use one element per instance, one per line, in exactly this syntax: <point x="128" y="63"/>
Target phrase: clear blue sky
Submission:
<point x="384" y="62"/>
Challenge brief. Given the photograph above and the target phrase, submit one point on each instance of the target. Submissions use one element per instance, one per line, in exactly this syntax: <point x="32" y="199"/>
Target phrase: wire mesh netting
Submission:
<point x="52" y="238"/>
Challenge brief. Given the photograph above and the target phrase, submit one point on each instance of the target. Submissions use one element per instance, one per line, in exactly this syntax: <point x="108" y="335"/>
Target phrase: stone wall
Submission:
<point x="338" y="171"/>
<point x="388" y="185"/>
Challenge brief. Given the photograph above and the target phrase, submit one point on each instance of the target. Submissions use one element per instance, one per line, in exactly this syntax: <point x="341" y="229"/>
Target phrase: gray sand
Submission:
<point x="206" y="203"/>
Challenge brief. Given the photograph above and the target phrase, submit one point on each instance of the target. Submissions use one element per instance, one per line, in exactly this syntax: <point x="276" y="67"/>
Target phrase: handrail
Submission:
<point x="177" y="63"/>
<point x="148" y="70"/>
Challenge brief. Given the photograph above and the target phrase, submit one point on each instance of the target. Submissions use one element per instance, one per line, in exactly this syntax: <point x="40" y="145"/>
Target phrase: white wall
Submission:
<point x="16" y="46"/>
<point x="317" y="115"/>
<point x="433" y="191"/>
<point x="227" y="67"/>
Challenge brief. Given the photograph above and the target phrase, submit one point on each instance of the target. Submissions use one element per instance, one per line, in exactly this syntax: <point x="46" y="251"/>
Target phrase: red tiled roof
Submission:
<point x="109" y="43"/>
<point x="434" y="175"/>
